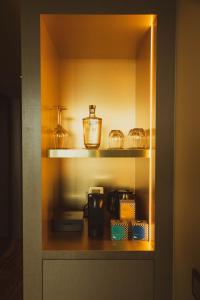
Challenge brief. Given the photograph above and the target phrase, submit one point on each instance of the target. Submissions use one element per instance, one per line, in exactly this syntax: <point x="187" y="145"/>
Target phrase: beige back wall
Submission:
<point x="187" y="161"/>
<point x="110" y="85"/>
<point x="107" y="83"/>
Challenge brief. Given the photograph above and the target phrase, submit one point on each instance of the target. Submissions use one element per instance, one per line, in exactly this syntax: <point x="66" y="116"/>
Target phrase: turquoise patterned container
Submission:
<point x="119" y="230"/>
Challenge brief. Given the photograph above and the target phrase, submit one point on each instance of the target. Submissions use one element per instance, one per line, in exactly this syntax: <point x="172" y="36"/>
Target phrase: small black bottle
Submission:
<point x="95" y="215"/>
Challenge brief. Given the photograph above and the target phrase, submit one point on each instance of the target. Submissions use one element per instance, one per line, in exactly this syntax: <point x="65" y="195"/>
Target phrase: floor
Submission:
<point x="11" y="272"/>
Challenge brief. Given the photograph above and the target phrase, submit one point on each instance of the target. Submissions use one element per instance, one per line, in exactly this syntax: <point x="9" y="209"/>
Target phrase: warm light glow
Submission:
<point x="105" y="76"/>
<point x="151" y="127"/>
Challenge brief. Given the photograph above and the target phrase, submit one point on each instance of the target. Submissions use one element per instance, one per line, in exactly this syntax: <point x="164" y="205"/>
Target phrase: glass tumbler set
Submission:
<point x="136" y="139"/>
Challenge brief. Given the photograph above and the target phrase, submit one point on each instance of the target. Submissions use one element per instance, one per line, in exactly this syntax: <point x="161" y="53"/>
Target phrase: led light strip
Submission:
<point x="151" y="127"/>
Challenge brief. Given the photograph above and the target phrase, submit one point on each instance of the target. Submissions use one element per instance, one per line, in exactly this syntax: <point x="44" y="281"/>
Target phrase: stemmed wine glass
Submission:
<point x="59" y="133"/>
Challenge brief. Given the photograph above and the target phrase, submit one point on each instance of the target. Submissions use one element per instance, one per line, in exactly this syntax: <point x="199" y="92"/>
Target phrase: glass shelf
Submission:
<point x="81" y="153"/>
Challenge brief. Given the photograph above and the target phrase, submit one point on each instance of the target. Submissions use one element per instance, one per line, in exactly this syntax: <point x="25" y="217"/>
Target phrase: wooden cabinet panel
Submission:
<point x="97" y="280"/>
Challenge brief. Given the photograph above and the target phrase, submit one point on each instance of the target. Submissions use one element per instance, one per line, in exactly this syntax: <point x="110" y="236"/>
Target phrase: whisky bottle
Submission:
<point x="92" y="129"/>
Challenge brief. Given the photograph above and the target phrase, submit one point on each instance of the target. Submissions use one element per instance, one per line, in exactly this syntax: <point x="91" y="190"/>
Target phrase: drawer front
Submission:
<point x="97" y="280"/>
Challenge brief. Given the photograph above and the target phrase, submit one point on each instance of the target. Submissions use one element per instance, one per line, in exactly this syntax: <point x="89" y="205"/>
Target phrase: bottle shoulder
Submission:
<point x="92" y="118"/>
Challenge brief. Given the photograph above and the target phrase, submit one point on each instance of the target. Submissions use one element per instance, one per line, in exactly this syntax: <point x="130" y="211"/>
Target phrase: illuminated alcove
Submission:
<point x="109" y="61"/>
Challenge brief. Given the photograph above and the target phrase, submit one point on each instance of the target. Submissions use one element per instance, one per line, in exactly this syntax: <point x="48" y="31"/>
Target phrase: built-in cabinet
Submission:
<point x="121" y="59"/>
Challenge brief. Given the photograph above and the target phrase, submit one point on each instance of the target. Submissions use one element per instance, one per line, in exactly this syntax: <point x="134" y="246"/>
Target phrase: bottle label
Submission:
<point x="92" y="132"/>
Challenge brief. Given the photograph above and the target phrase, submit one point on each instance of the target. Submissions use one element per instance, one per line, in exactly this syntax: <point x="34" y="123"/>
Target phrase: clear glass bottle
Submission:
<point x="92" y="129"/>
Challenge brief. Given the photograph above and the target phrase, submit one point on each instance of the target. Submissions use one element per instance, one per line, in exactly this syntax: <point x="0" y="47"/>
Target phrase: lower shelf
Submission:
<point x="70" y="243"/>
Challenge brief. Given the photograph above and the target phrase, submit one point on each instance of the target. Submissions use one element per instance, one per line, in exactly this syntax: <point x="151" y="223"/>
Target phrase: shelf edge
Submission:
<point x="105" y="153"/>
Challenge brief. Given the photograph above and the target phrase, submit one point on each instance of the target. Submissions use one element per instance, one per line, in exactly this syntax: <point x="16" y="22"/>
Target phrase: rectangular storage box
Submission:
<point x="127" y="209"/>
<point x="139" y="230"/>
<point x="119" y="230"/>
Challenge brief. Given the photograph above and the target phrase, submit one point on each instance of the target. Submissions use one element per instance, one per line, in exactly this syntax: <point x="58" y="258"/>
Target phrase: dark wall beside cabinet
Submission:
<point x="5" y="203"/>
<point x="10" y="122"/>
<point x="10" y="61"/>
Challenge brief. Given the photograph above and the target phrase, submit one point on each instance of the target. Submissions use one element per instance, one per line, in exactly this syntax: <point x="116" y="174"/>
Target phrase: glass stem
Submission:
<point x="59" y="116"/>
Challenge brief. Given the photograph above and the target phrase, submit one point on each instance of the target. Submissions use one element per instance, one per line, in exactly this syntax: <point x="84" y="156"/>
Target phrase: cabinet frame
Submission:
<point x="31" y="133"/>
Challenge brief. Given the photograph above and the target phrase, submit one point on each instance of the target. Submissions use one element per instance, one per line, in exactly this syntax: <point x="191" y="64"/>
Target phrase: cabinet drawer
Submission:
<point x="97" y="280"/>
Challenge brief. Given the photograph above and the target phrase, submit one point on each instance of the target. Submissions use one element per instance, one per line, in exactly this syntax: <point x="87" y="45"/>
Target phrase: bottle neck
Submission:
<point x="92" y="112"/>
